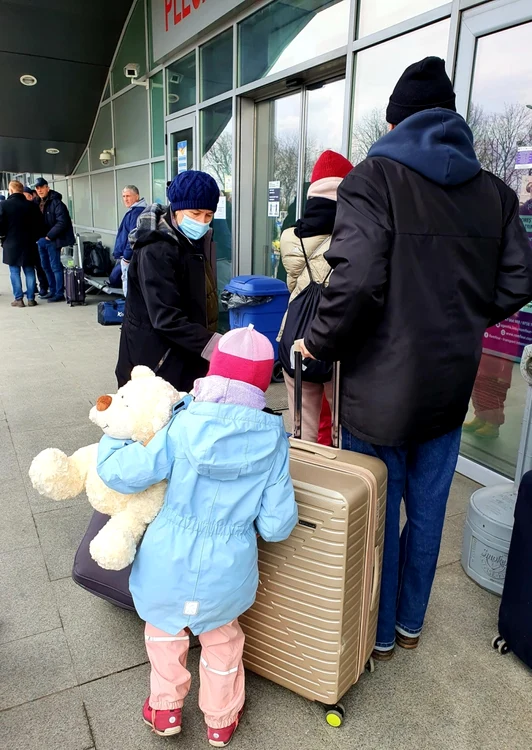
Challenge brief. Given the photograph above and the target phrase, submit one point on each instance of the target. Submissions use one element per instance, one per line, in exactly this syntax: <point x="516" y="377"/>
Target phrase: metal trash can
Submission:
<point x="262" y="302"/>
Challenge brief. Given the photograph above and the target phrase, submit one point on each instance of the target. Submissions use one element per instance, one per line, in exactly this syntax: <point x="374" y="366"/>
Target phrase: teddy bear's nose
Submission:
<point x="104" y="402"/>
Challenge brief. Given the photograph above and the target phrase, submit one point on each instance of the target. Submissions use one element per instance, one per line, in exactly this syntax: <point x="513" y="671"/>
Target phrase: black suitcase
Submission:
<point x="515" y="613"/>
<point x="75" y="286"/>
<point x="112" y="585"/>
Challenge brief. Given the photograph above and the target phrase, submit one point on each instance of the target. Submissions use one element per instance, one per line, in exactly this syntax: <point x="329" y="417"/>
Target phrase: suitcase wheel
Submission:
<point x="335" y="715"/>
<point x="370" y="665"/>
<point x="500" y="645"/>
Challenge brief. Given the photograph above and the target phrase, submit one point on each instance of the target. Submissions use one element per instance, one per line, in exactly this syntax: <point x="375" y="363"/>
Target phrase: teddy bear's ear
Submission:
<point x="141" y="371"/>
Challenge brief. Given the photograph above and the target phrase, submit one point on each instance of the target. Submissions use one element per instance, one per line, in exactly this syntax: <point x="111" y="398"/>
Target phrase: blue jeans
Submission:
<point x="52" y="266"/>
<point x="421" y="474"/>
<point x="16" y="281"/>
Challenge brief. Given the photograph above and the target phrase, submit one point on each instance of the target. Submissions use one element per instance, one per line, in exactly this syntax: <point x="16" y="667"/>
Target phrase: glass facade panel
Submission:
<point x="276" y="173"/>
<point x="61" y="186"/>
<point x="158" y="178"/>
<point x="104" y="200"/>
<point x="138" y="176"/>
<point x="290" y="32"/>
<point x="375" y="15"/>
<point x="107" y="90"/>
<point x="132" y="49"/>
<point x="216" y="66"/>
<point x="102" y="138"/>
<point x="377" y="70"/>
<point x="501" y="121"/>
<point x="157" y="114"/>
<point x="131" y="126"/>
<point x="217" y="160"/>
<point x="181" y="84"/>
<point x="82" y="201"/>
<point x="83" y="166"/>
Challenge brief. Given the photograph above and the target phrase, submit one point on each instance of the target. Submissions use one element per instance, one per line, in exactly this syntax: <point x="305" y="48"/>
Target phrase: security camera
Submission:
<point x="176" y="78"/>
<point x="132" y="70"/>
<point x="106" y="156"/>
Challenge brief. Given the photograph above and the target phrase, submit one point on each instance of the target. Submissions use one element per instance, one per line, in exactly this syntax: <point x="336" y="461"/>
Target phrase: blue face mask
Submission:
<point x="193" y="229"/>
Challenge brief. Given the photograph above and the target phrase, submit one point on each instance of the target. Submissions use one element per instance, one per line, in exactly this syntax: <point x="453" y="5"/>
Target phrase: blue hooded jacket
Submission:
<point x="437" y="143"/>
<point x="228" y="478"/>
<point x="129" y="222"/>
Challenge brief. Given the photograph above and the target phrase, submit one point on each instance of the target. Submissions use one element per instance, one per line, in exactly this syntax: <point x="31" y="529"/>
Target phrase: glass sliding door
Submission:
<point x="291" y="133"/>
<point x="181" y="138"/>
<point x="497" y="99"/>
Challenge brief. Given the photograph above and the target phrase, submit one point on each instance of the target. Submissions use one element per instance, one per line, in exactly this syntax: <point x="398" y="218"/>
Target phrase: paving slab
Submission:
<point x="17" y="529"/>
<point x="60" y="533"/>
<point x="103" y="638"/>
<point x="27" y="601"/>
<point x="35" y="667"/>
<point x="451" y="543"/>
<point x="461" y="490"/>
<point x="57" y="722"/>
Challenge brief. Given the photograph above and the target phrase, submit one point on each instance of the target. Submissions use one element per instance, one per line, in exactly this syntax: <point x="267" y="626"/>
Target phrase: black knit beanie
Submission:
<point x="423" y="85"/>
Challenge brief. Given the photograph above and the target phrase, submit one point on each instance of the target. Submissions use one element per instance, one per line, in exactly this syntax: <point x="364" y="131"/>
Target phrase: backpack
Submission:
<point x="96" y="259"/>
<point x="301" y="312"/>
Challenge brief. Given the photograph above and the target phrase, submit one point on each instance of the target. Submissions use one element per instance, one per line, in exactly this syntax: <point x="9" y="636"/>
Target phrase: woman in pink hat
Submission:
<point x="225" y="458"/>
<point x="312" y="236"/>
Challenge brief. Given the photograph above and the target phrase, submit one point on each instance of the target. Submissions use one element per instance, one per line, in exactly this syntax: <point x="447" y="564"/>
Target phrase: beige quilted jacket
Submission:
<point x="294" y="262"/>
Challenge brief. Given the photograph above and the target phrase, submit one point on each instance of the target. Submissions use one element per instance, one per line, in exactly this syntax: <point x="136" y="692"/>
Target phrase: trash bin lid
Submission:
<point x="257" y="286"/>
<point x="492" y="509"/>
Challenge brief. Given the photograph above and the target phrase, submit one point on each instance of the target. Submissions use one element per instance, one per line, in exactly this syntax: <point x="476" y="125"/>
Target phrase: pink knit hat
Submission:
<point x="246" y="355"/>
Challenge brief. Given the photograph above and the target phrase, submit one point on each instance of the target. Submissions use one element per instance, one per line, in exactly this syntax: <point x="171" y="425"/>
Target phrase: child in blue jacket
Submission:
<point x="226" y="461"/>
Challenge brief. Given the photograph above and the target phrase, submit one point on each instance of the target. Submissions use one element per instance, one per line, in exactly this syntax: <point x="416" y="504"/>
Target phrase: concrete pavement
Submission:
<point x="73" y="672"/>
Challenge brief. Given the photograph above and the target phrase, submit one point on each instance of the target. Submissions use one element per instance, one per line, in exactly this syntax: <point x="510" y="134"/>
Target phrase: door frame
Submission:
<point x="182" y="122"/>
<point x="475" y="23"/>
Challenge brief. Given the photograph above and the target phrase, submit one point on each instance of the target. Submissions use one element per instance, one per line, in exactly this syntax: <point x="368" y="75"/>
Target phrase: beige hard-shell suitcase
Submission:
<point x="313" y="625"/>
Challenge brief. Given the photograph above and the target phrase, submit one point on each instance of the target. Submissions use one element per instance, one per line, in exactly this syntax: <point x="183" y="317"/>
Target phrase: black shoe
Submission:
<point x="57" y="298"/>
<point x="45" y="295"/>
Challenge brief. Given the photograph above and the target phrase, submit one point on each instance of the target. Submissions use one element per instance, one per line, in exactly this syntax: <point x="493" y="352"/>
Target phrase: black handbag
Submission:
<point x="301" y="312"/>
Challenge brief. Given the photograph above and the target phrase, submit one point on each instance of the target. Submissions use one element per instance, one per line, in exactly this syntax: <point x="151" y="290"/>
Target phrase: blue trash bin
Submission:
<point x="266" y="316"/>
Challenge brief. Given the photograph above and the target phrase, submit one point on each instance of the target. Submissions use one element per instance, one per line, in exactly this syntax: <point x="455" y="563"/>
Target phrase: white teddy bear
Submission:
<point x="136" y="412"/>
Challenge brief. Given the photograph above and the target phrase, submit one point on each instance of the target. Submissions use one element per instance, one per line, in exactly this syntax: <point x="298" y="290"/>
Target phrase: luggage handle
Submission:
<point x="376" y="576"/>
<point x="298" y="398"/>
<point x="316" y="450"/>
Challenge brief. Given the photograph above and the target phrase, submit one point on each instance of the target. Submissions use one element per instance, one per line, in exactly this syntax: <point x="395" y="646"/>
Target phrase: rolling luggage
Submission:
<point x="75" y="286"/>
<point x="111" y="313"/>
<point x="112" y="585"/>
<point x="515" y="613"/>
<point x="313" y="625"/>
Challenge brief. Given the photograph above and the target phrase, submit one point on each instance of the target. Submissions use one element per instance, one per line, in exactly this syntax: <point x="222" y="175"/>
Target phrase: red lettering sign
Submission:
<point x="179" y="15"/>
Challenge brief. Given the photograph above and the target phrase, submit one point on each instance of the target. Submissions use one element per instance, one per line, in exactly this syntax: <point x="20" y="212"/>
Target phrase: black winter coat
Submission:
<point x="424" y="261"/>
<point x="165" y="321"/>
<point x="21" y="226"/>
<point x="57" y="221"/>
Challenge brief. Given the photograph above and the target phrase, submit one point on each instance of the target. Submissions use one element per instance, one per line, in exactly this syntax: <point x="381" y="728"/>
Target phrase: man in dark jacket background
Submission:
<point x="428" y="251"/>
<point x="20" y="228"/>
<point x="59" y="233"/>
<point x="123" y="252"/>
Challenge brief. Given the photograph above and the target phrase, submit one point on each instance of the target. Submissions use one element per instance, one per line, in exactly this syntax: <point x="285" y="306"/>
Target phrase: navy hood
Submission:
<point x="437" y="143"/>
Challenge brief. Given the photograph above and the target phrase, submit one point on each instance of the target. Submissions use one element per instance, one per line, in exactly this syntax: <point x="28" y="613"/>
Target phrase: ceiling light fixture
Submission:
<point x="28" y="80"/>
<point x="52" y="150"/>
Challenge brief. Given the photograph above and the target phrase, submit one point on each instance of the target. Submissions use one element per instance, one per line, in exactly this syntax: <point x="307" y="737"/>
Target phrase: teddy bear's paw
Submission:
<point x="53" y="475"/>
<point x="112" y="549"/>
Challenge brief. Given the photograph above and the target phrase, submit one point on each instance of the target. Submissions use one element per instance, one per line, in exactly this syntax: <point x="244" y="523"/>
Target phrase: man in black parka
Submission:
<point x="58" y="233"/>
<point x="428" y="251"/>
<point x="20" y="228"/>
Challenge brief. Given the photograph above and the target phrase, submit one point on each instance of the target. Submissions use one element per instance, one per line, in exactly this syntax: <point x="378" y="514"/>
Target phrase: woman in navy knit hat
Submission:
<point x="171" y="311"/>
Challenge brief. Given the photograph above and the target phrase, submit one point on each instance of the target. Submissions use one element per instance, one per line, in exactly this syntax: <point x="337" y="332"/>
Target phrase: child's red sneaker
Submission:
<point x="222" y="737"/>
<point x="163" y="723"/>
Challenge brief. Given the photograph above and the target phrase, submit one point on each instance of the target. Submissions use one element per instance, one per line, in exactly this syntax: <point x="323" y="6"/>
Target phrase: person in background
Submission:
<point x="2" y="197"/>
<point x="122" y="252"/>
<point x="59" y="233"/>
<point x="20" y="228"/>
<point x="313" y="233"/>
<point x="428" y="251"/>
<point x="226" y="461"/>
<point x="171" y="317"/>
<point x="30" y="194"/>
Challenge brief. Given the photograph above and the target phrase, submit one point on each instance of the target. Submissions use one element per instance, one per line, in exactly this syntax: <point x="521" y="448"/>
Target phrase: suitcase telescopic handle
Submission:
<point x="298" y="399"/>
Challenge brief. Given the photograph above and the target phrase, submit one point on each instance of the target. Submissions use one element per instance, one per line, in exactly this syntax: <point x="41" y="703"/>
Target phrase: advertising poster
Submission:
<point x="181" y="157"/>
<point x="274" y="198"/>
